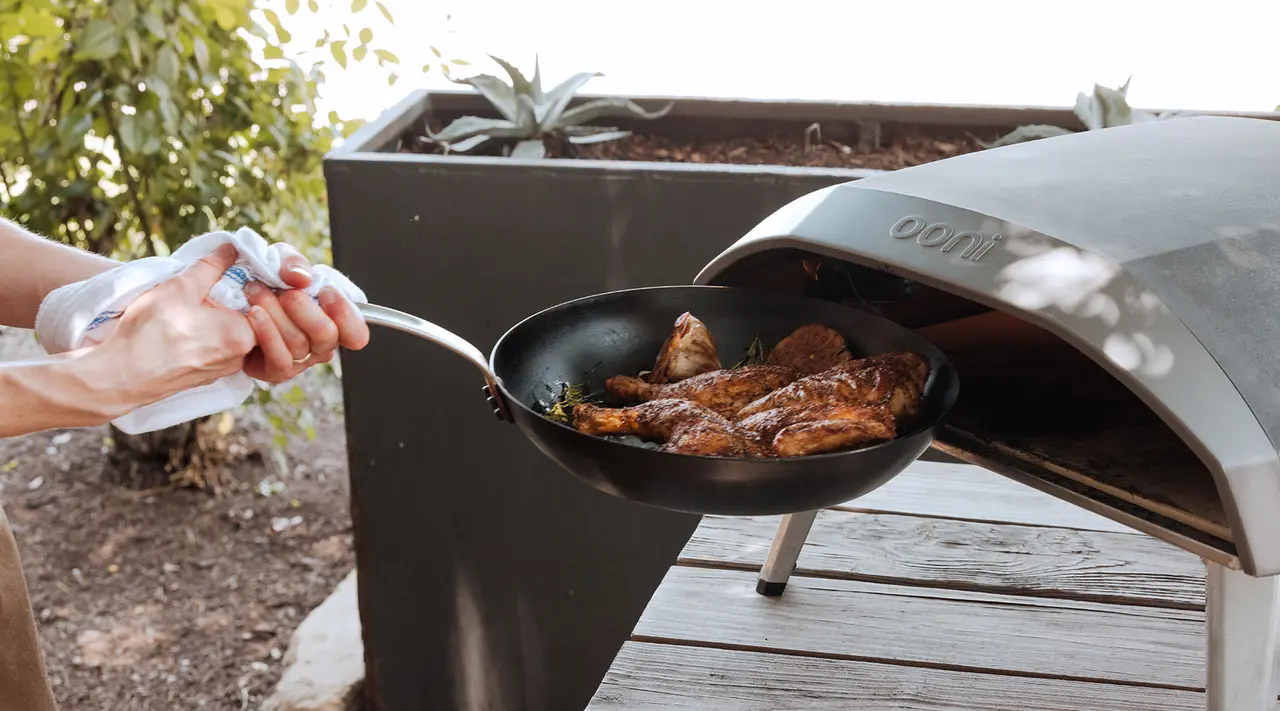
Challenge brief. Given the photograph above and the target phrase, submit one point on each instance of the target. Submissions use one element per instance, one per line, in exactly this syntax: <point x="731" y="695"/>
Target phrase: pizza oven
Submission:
<point x="1109" y="299"/>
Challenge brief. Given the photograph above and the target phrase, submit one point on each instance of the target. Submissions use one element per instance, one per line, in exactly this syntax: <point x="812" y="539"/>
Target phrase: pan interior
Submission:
<point x="584" y="342"/>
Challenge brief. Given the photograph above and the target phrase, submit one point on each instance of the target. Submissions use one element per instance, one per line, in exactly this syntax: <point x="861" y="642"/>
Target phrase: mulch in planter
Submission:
<point x="900" y="146"/>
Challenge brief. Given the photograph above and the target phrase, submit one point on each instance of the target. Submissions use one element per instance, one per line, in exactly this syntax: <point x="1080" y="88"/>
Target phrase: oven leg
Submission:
<point x="784" y="552"/>
<point x="1241" y="616"/>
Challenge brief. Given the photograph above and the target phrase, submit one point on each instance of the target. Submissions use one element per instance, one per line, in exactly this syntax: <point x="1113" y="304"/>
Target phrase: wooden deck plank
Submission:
<point x="929" y="626"/>
<point x="1126" y="568"/>
<point x="657" y="676"/>
<point x="963" y="491"/>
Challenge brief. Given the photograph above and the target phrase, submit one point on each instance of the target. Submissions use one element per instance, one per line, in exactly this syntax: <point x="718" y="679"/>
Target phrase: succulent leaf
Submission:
<point x="468" y="126"/>
<point x="536" y="82"/>
<point x="1023" y="134"/>
<point x="465" y="145"/>
<point x="498" y="92"/>
<point x="610" y="107"/>
<point x="1107" y="107"/>
<point x="521" y="85"/>
<point x="528" y="115"/>
<point x="601" y="137"/>
<point x="533" y="149"/>
<point x="556" y="100"/>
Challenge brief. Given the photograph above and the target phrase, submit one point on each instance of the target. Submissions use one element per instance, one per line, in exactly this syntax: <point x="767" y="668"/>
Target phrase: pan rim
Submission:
<point x="927" y="428"/>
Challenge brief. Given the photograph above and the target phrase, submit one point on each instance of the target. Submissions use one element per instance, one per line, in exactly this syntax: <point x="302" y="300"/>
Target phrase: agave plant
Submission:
<point x="1104" y="108"/>
<point x="531" y="115"/>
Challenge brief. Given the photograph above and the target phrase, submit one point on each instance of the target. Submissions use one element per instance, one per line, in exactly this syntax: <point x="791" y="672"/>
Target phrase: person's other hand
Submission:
<point x="293" y="331"/>
<point x="174" y="338"/>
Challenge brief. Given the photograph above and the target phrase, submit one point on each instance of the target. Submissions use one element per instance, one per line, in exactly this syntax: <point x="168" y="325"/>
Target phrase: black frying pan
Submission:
<point x="585" y="341"/>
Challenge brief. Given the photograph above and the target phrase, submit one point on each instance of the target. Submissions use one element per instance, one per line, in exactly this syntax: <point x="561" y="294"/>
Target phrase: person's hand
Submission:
<point x="174" y="338"/>
<point x="293" y="331"/>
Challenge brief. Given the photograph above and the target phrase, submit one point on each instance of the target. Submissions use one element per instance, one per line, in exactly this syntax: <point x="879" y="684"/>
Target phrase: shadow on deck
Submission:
<point x="951" y="587"/>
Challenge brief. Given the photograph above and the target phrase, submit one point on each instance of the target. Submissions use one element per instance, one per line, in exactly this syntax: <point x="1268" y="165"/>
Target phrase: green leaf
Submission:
<point x="167" y="64"/>
<point x="224" y="12"/>
<point x="99" y="40"/>
<point x="389" y="58"/>
<point x="42" y="24"/>
<point x="131" y="134"/>
<point x="154" y="24"/>
<point x="359" y="53"/>
<point x="202" y="54"/>
<point x="135" y="46"/>
<point x="273" y="52"/>
<point x="460" y="62"/>
<point x="385" y="12"/>
<point x="611" y="107"/>
<point x="366" y="35"/>
<point x="435" y="52"/>
<point x="358" y="5"/>
<point x="392" y="79"/>
<point x="313" y="6"/>
<point x="339" y="52"/>
<point x="124" y="12"/>
<point x="169" y="116"/>
<point x="291" y="6"/>
<point x="426" y="68"/>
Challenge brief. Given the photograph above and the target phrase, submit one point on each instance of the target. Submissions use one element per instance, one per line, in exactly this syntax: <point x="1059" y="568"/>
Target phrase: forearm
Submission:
<point x="68" y="390"/>
<point x="31" y="267"/>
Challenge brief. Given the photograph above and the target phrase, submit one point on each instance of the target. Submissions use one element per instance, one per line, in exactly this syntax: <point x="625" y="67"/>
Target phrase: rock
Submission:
<point x="324" y="667"/>
<point x="120" y="645"/>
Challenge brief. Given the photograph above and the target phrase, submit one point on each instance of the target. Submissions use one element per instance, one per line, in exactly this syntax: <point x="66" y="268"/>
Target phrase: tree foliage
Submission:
<point x="129" y="126"/>
<point x="126" y="126"/>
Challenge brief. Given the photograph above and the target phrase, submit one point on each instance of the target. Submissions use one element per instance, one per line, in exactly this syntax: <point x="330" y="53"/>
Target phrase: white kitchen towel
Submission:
<point x="85" y="313"/>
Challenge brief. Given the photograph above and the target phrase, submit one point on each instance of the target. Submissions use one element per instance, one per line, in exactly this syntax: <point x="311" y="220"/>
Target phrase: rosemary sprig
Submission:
<point x="561" y="409"/>
<point x="754" y="355"/>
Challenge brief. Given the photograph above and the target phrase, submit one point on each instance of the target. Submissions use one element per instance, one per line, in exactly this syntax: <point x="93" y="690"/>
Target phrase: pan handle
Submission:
<point x="408" y="323"/>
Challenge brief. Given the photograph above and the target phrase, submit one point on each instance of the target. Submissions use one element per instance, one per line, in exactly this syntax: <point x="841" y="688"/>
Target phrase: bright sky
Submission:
<point x="1210" y="56"/>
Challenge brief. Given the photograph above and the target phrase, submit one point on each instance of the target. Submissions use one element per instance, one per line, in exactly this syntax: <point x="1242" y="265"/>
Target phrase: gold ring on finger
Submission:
<point x="303" y="359"/>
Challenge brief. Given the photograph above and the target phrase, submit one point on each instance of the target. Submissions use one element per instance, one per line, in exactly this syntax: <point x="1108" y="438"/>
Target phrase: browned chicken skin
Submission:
<point x="812" y="348"/>
<point x="895" y="379"/>
<point x="805" y="429"/>
<point x="680" y="425"/>
<point x="690" y="350"/>
<point x="721" y="391"/>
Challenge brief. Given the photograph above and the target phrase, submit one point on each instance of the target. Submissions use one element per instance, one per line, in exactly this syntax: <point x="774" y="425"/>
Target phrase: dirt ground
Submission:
<point x="176" y="599"/>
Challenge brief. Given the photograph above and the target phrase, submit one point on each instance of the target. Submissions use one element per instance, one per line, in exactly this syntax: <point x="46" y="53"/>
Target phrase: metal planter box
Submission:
<point x="488" y="577"/>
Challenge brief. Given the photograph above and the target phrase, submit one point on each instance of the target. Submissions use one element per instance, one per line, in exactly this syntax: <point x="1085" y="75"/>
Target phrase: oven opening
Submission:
<point x="1025" y="394"/>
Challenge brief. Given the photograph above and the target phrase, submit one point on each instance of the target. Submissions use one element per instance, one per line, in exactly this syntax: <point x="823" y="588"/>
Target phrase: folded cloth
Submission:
<point x="84" y="313"/>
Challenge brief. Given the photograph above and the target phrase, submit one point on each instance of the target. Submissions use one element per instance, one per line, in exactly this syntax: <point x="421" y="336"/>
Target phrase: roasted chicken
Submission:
<point x="680" y="425"/>
<point x="895" y="379"/>
<point x="808" y="397"/>
<point x="690" y="350"/>
<point x="805" y="429"/>
<point x="723" y="391"/>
